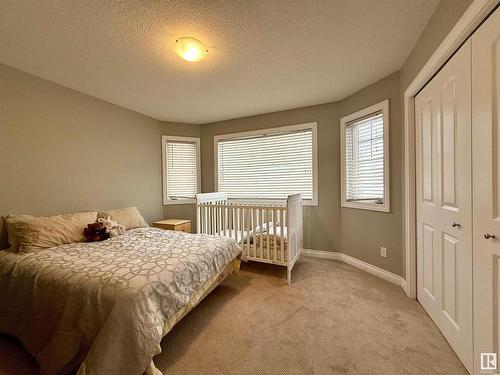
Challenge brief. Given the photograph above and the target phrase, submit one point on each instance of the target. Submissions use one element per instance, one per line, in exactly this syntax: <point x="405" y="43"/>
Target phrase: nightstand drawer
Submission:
<point x="180" y="225"/>
<point x="186" y="227"/>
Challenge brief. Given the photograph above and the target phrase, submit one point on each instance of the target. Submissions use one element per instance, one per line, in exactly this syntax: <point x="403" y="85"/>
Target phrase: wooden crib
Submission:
<point x="266" y="232"/>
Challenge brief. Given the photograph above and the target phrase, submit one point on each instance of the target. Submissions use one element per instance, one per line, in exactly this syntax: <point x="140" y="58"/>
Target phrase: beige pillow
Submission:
<point x="43" y="232"/>
<point x="128" y="217"/>
<point x="11" y="235"/>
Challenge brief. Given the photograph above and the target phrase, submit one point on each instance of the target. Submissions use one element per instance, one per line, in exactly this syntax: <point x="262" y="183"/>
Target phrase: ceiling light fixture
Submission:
<point x="190" y="49"/>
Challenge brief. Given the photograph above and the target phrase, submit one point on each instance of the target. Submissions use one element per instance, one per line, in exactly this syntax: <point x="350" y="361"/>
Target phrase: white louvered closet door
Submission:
<point x="444" y="202"/>
<point x="486" y="176"/>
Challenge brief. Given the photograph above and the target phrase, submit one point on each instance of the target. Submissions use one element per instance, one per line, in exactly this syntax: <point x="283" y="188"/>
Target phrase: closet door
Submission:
<point x="486" y="177"/>
<point x="444" y="202"/>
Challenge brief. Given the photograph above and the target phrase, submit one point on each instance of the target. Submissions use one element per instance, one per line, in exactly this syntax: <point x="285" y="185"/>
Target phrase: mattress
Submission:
<point x="270" y="249"/>
<point x="103" y="307"/>
<point x="267" y="246"/>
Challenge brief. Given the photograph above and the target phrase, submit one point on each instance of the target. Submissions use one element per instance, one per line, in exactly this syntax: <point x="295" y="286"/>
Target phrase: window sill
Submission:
<point x="305" y="202"/>
<point x="174" y="202"/>
<point x="369" y="206"/>
<point x="310" y="203"/>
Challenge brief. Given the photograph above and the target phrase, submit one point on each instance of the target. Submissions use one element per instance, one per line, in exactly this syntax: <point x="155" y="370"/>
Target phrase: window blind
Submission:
<point x="268" y="166"/>
<point x="182" y="178"/>
<point x="364" y="150"/>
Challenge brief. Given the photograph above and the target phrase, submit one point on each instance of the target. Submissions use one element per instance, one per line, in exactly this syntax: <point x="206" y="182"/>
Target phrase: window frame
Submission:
<point x="169" y="138"/>
<point x="313" y="126"/>
<point x="344" y="121"/>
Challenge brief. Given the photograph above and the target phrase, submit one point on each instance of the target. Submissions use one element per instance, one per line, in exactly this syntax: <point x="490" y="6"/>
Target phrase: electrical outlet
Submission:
<point x="383" y="252"/>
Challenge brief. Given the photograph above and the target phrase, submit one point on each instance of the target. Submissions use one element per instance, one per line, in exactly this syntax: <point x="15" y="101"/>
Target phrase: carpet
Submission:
<point x="333" y="319"/>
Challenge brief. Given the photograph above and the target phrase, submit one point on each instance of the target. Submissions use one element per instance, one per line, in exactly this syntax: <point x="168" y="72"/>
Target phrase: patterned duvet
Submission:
<point x="107" y="305"/>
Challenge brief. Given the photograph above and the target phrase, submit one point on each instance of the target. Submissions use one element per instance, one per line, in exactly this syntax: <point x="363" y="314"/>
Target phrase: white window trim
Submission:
<point x="169" y="138"/>
<point x="290" y="128"/>
<point x="372" y="206"/>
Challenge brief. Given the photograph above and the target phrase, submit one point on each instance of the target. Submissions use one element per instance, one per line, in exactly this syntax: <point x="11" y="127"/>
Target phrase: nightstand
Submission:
<point x="181" y="225"/>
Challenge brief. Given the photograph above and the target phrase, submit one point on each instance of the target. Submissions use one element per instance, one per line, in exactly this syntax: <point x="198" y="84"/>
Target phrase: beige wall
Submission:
<point x="321" y="223"/>
<point x="63" y="151"/>
<point x="181" y="211"/>
<point x="328" y="227"/>
<point x="439" y="25"/>
<point x="364" y="232"/>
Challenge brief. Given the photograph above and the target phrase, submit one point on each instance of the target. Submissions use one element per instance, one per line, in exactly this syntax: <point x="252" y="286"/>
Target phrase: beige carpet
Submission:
<point x="334" y="319"/>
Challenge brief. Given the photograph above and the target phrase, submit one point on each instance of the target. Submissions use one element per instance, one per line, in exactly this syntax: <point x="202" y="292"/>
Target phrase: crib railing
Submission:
<point x="295" y="226"/>
<point x="259" y="229"/>
<point x="249" y="226"/>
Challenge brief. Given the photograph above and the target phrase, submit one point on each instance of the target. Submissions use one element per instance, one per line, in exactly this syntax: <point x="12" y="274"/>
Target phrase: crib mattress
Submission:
<point x="266" y="249"/>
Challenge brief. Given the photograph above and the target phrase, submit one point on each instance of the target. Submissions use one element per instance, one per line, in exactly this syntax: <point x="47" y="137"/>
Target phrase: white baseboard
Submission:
<point x="404" y="285"/>
<point x="367" y="267"/>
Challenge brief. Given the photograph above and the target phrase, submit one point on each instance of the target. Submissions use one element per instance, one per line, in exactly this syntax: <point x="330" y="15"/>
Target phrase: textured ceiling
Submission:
<point x="264" y="55"/>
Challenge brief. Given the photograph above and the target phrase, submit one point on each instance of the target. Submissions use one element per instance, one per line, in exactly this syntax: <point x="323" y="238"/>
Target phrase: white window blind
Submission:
<point x="364" y="159"/>
<point x="182" y="176"/>
<point x="267" y="166"/>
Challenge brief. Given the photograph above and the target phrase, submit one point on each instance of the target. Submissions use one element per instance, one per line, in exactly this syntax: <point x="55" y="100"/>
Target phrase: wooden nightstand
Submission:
<point x="181" y="225"/>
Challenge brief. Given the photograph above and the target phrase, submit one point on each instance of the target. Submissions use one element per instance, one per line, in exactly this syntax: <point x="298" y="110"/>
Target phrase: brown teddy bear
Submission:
<point x="96" y="232"/>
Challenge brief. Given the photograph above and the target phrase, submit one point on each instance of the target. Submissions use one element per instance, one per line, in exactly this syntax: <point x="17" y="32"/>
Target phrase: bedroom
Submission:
<point x="98" y="104"/>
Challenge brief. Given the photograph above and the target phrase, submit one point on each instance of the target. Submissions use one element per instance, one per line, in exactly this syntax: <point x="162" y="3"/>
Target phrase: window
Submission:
<point x="268" y="164"/>
<point x="365" y="162"/>
<point x="181" y="169"/>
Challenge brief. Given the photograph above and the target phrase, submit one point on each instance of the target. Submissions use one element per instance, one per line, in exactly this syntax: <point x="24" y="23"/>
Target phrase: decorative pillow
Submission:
<point x="129" y="217"/>
<point x="43" y="232"/>
<point x="11" y="235"/>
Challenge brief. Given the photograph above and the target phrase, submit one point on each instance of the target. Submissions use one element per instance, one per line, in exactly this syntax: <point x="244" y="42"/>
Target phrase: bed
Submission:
<point x="103" y="307"/>
<point x="266" y="232"/>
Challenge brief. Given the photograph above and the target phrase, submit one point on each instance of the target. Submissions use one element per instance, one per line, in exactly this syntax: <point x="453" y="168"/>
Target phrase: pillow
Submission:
<point x="43" y="232"/>
<point x="11" y="235"/>
<point x="129" y="217"/>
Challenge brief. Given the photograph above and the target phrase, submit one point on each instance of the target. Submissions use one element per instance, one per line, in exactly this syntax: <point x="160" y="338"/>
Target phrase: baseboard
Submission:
<point x="367" y="267"/>
<point x="404" y="285"/>
<point x="322" y="254"/>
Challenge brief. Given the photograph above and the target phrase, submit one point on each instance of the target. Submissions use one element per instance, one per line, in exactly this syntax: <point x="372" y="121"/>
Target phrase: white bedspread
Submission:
<point x="104" y="305"/>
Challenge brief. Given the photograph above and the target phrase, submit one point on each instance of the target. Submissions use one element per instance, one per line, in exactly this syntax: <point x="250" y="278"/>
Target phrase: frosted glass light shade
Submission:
<point x="190" y="49"/>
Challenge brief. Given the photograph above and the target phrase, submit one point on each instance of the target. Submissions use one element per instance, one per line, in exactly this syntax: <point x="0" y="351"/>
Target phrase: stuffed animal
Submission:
<point x="112" y="227"/>
<point x="95" y="232"/>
